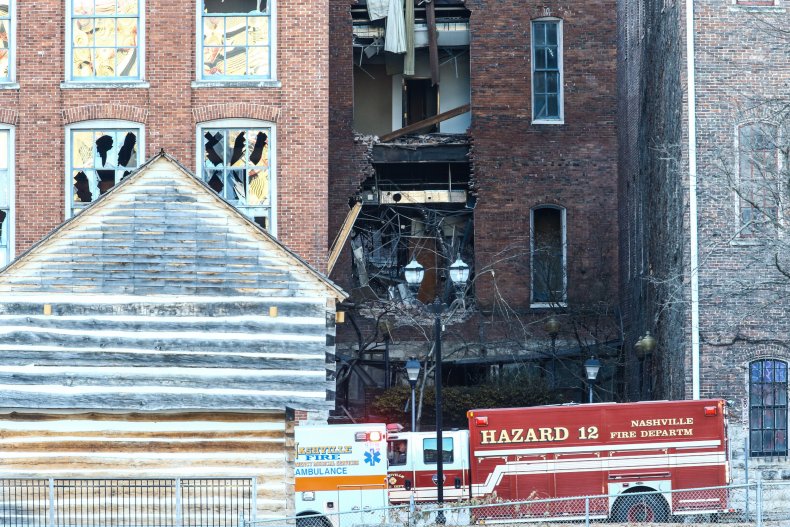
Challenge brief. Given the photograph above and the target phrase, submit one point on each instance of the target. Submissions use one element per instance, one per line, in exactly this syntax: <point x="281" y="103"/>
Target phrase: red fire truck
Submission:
<point x="615" y="451"/>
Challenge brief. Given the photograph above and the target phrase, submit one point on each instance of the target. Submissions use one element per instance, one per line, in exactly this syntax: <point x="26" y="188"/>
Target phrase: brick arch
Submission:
<point x="236" y="110"/>
<point x="8" y="116"/>
<point x="763" y="352"/>
<point x="90" y="112"/>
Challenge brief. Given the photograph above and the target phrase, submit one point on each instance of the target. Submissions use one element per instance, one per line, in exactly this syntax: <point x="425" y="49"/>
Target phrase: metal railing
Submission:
<point x="126" y="502"/>
<point x="758" y="504"/>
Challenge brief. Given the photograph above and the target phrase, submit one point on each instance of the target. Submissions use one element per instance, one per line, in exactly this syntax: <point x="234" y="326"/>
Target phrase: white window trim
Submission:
<point x="256" y="82"/>
<point x="11" y="81"/>
<point x="778" y="6"/>
<point x="11" y="219"/>
<point x="72" y="82"/>
<point x="107" y="124"/>
<point x="737" y="239"/>
<point x="561" y="62"/>
<point x="546" y="305"/>
<point x="244" y="123"/>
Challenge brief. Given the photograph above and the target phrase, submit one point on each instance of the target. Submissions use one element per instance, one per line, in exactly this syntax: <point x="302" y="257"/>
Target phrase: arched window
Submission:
<point x="758" y="178"/>
<point x="236" y="159"/>
<point x="768" y="408"/>
<point x="99" y="154"/>
<point x="6" y="195"/>
<point x="547" y="258"/>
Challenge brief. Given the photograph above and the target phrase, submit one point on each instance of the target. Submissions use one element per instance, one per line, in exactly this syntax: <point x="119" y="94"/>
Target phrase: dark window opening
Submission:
<point x="420" y="102"/>
<point x="548" y="258"/>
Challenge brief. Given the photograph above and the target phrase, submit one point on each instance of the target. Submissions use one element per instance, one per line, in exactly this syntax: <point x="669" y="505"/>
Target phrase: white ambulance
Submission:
<point x="340" y="475"/>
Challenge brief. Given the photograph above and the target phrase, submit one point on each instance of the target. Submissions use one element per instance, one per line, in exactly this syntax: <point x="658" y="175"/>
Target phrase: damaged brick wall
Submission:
<point x="168" y="100"/>
<point x="518" y="165"/>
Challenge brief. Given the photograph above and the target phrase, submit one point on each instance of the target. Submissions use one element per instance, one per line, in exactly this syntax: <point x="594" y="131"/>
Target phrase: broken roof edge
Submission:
<point x="336" y="291"/>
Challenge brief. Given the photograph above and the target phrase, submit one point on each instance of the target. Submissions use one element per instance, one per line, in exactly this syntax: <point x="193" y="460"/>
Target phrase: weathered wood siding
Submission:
<point x="161" y="296"/>
<point x="151" y="445"/>
<point x="160" y="333"/>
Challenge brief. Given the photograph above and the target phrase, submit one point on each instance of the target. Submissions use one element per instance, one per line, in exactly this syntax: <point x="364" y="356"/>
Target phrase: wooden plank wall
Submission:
<point x="156" y="353"/>
<point x="151" y="445"/>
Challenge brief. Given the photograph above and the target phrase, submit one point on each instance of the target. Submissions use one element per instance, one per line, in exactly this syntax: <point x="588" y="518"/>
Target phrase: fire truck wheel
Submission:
<point x="633" y="508"/>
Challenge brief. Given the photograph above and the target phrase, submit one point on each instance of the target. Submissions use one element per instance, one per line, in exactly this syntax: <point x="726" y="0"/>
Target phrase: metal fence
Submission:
<point x="152" y="502"/>
<point x="758" y="504"/>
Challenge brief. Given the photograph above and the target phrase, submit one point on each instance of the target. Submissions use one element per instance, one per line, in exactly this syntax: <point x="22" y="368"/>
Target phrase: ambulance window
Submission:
<point x="397" y="452"/>
<point x="429" y="450"/>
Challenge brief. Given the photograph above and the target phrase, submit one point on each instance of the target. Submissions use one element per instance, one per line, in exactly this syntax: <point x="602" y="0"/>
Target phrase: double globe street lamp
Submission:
<point x="459" y="275"/>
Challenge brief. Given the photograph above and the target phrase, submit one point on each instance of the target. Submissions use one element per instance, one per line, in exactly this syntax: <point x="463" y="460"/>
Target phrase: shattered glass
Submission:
<point x="236" y="166"/>
<point x="4" y="176"/>
<point x="100" y="159"/>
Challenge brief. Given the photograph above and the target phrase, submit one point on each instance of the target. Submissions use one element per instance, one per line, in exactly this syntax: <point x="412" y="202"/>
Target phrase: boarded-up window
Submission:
<point x="236" y="39"/>
<point x="236" y="164"/>
<point x="758" y="178"/>
<point x="100" y="158"/>
<point x="105" y="39"/>
<point x="548" y="255"/>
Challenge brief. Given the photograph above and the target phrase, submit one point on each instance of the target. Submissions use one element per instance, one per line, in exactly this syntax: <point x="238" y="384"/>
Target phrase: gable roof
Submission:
<point x="163" y="231"/>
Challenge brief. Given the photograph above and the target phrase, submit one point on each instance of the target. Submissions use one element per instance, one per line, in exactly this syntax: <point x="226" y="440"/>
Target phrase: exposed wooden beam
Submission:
<point x="342" y="236"/>
<point x="433" y="46"/>
<point x="455" y="112"/>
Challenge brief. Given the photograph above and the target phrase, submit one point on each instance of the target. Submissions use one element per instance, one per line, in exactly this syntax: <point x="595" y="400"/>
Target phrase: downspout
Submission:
<point x="694" y="253"/>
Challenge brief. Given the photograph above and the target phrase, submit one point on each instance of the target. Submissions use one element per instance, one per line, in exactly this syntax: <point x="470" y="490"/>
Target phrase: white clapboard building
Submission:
<point x="153" y="352"/>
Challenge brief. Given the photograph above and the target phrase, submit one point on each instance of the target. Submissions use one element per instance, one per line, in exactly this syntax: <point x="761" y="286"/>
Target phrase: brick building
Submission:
<point x="169" y="334"/>
<point x="169" y="74"/>
<point x="703" y="167"/>
<point x="495" y="143"/>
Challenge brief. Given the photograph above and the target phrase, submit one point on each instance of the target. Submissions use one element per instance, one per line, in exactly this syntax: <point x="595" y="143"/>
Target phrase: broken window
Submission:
<point x="547" y="70"/>
<point x="6" y="197"/>
<point x="236" y="164"/>
<point x="548" y="256"/>
<point x="236" y="39"/>
<point x="6" y="36"/>
<point x="105" y="39"/>
<point x="99" y="159"/>
<point x="759" y="182"/>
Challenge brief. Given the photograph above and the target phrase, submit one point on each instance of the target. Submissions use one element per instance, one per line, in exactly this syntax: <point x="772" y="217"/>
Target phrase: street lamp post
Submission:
<point x="413" y="371"/>
<point x="552" y="327"/>
<point x="591" y="367"/>
<point x="459" y="274"/>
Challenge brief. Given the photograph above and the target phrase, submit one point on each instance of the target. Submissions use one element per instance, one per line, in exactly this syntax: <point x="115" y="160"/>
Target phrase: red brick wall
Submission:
<point x="518" y="165"/>
<point x="169" y="108"/>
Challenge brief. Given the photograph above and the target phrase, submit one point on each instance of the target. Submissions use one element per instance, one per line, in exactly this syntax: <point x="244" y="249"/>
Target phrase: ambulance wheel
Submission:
<point x="313" y="521"/>
<point x="639" y="508"/>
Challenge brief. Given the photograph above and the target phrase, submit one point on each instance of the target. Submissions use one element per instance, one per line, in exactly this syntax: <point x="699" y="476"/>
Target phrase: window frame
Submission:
<point x="11" y="79"/>
<point x="445" y="441"/>
<point x="69" y="70"/>
<point x="560" y="119"/>
<point x="97" y="124"/>
<point x="762" y="407"/>
<point x="10" y="247"/>
<point x="217" y="79"/>
<point x="564" y="228"/>
<point x="742" y="236"/>
<point x="272" y="139"/>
